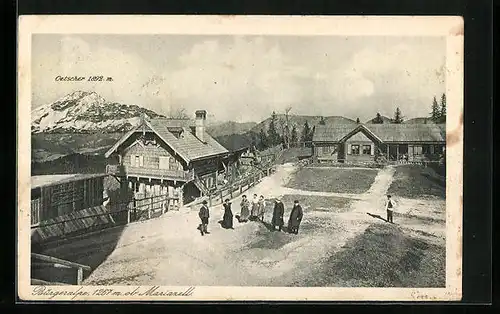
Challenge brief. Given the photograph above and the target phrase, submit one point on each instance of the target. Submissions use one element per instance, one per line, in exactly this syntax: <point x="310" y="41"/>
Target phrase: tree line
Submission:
<point x="437" y="115"/>
<point x="291" y="138"/>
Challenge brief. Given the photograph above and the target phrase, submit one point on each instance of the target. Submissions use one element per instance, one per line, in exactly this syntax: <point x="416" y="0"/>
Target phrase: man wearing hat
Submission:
<point x="295" y="218"/>
<point x="279" y="211"/>
<point x="204" y="215"/>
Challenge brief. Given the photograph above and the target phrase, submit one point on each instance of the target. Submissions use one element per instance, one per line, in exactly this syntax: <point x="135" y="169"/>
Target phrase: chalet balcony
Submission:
<point x="162" y="174"/>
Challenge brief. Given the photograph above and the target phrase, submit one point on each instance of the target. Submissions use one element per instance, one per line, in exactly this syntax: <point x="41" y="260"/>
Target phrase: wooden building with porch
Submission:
<point x="174" y="157"/>
<point x="54" y="196"/>
<point x="363" y="143"/>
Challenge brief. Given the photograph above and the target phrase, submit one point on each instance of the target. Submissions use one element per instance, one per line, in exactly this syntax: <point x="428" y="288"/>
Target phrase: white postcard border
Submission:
<point x="451" y="27"/>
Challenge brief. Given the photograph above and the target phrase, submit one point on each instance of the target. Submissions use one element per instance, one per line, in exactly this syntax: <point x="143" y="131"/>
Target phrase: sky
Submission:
<point x="245" y="78"/>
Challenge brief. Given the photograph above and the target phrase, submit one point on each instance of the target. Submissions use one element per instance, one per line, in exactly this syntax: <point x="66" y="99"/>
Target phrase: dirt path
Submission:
<point x="170" y="251"/>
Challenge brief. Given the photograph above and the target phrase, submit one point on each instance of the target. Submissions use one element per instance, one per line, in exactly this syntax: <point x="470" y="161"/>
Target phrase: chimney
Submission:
<point x="201" y="116"/>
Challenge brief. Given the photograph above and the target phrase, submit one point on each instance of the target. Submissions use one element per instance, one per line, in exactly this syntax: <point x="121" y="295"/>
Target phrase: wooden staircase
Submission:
<point x="200" y="185"/>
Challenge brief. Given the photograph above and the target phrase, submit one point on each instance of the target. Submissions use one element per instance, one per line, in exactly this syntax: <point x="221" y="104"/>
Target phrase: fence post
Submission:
<point x="135" y="209"/>
<point x="210" y="200"/>
<point x="150" y="208"/>
<point x="221" y="197"/>
<point x="79" y="276"/>
<point x="128" y="215"/>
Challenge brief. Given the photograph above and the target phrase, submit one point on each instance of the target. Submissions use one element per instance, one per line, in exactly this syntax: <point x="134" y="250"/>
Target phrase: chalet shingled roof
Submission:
<point x="186" y="145"/>
<point x="385" y="132"/>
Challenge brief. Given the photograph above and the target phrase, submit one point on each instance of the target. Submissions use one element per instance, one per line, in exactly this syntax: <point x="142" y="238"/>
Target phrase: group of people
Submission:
<point x="254" y="211"/>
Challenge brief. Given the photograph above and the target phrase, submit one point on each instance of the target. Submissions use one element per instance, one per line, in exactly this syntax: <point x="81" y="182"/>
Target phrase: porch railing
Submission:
<point x="165" y="174"/>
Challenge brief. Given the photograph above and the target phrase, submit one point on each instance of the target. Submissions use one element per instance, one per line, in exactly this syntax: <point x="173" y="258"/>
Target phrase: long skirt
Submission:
<point x="245" y="213"/>
<point x="227" y="220"/>
<point x="255" y="210"/>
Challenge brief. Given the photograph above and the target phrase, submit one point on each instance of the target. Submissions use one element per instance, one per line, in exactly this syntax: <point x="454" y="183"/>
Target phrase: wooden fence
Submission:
<point x="101" y="217"/>
<point x="49" y="261"/>
<point x="237" y="187"/>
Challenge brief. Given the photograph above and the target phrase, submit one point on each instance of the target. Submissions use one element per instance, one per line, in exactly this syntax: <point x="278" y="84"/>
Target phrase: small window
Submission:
<point x="326" y="150"/>
<point x="137" y="161"/>
<point x="355" y="149"/>
<point x="367" y="149"/>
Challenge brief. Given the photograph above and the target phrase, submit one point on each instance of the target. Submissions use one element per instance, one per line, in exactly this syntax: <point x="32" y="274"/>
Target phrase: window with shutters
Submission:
<point x="355" y="149"/>
<point x="367" y="149"/>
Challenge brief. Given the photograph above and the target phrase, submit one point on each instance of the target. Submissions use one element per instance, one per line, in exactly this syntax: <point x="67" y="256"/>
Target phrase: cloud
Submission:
<point x="244" y="80"/>
<point x="381" y="79"/>
<point x="77" y="57"/>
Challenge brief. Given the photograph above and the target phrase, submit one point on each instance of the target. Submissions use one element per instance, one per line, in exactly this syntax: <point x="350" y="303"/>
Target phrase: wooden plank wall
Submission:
<point x="62" y="199"/>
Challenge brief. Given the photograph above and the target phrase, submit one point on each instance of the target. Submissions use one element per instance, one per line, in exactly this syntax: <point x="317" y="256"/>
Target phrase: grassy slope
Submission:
<point x="416" y="182"/>
<point x="44" y="145"/>
<point x="314" y="203"/>
<point x="229" y="128"/>
<point x="383" y="256"/>
<point x="333" y="180"/>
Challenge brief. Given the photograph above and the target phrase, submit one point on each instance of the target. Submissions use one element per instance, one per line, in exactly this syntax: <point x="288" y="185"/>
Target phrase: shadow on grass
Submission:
<point x="268" y="238"/>
<point x="377" y="216"/>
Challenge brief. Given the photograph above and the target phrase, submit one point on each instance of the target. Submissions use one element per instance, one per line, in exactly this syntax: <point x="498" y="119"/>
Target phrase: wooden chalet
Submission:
<point x="362" y="142"/>
<point x="174" y="157"/>
<point x="54" y="196"/>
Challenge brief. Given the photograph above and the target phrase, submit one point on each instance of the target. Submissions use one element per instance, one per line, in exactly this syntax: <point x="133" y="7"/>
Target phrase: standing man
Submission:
<point x="295" y="218"/>
<point x="279" y="211"/>
<point x="389" y="206"/>
<point x="204" y="215"/>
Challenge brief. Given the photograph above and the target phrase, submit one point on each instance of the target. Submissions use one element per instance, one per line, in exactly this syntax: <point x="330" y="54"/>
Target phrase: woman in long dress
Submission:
<point x="279" y="211"/>
<point x="227" y="219"/>
<point x="262" y="208"/>
<point x="254" y="213"/>
<point x="245" y="212"/>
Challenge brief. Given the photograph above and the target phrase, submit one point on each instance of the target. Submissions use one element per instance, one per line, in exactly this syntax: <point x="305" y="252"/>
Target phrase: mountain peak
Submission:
<point x="83" y="112"/>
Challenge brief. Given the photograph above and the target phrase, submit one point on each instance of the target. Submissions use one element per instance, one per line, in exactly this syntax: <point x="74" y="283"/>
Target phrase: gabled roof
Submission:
<point x="187" y="145"/>
<point x="384" y="132"/>
<point x="361" y="128"/>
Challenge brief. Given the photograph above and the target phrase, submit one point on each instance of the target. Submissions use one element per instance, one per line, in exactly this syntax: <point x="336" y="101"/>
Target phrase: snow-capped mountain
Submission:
<point x="86" y="112"/>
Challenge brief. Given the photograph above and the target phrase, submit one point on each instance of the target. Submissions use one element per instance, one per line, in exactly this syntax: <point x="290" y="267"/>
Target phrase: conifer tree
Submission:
<point x="294" y="139"/>
<point x="378" y="119"/>
<point x="398" y="117"/>
<point x="273" y="136"/>
<point x="305" y="132"/>
<point x="442" y="112"/>
<point x="435" y="111"/>
<point x="263" y="142"/>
